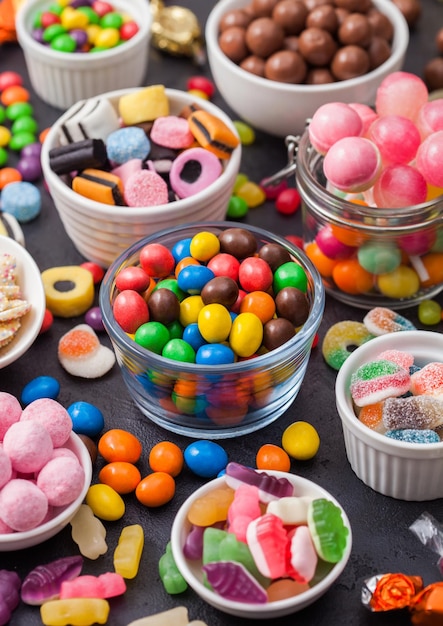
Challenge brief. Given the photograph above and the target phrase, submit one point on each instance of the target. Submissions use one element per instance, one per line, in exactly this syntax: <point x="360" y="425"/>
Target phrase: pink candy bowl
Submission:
<point x="26" y="539"/>
<point x="406" y="471"/>
<point x="192" y="573"/>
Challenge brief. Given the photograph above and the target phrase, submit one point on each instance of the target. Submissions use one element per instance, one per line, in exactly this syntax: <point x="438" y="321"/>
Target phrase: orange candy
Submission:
<point x="119" y="445"/>
<point x="42" y="136"/>
<point x="122" y="476"/>
<point x="15" y="93"/>
<point x="187" y="260"/>
<point x="350" y="277"/>
<point x="155" y="489"/>
<point x="433" y="263"/>
<point x="260" y="303"/>
<point x="9" y="175"/>
<point x="166" y="457"/>
<point x="371" y="416"/>
<point x="272" y="457"/>
<point x="324" y="264"/>
<point x="348" y="235"/>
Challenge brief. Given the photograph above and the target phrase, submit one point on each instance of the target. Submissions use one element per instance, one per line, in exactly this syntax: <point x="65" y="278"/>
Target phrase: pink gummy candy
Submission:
<point x="302" y="555"/>
<point x="331" y="122"/>
<point x="10" y="412"/>
<point x="401" y="93"/>
<point x="352" y="164"/>
<point x="430" y="159"/>
<point x="53" y="416"/>
<point x="106" y="585"/>
<point x="428" y="380"/>
<point x="232" y="581"/>
<point x="244" y="508"/>
<point x="403" y="359"/>
<point x="268" y="541"/>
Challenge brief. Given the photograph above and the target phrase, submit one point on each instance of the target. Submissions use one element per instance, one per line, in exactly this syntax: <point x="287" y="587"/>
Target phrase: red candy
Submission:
<point x="132" y="277"/>
<point x="101" y="8"/>
<point x="201" y="83"/>
<point x="96" y="271"/>
<point x="288" y="201"/>
<point x="128" y="30"/>
<point x="157" y="260"/>
<point x="9" y="79"/>
<point x="130" y="310"/>
<point x="255" y="274"/>
<point x="224" y="264"/>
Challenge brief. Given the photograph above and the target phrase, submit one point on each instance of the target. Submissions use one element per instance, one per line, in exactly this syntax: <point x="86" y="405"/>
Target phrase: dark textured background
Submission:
<point x="381" y="539"/>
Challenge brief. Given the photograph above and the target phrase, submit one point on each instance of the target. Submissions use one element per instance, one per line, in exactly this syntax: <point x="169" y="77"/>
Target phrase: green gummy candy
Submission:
<point x="329" y="534"/>
<point x="171" y="578"/>
<point x="231" y="549"/>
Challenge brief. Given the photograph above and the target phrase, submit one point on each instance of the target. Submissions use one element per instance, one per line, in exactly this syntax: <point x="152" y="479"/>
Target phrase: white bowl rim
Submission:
<point x="266" y="610"/>
<point x="49" y="528"/>
<point x="400" y="42"/>
<point x="25" y="39"/>
<point x="105" y="210"/>
<point x="343" y="397"/>
<point x="19" y="345"/>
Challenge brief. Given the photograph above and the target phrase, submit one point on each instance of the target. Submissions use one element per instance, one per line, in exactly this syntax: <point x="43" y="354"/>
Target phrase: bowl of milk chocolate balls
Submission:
<point x="276" y="61"/>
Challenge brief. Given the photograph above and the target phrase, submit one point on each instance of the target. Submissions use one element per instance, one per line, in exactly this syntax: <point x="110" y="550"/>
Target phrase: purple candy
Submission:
<point x="37" y="35"/>
<point x="79" y="36"/>
<point x="9" y="594"/>
<point x="93" y="318"/>
<point x="31" y="150"/>
<point x="75" y="4"/>
<point x="270" y="487"/>
<point x="43" y="583"/>
<point x="30" y="168"/>
<point x="233" y="581"/>
<point x="193" y="548"/>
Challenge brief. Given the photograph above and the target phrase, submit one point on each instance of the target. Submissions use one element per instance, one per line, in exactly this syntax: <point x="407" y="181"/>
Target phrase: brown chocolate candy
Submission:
<point x="433" y="74"/>
<point x="239" y="242"/>
<point x="325" y="17"/>
<point x="354" y="6"/>
<point x="235" y="17"/>
<point x="291" y="43"/>
<point x="379" y="51"/>
<point x="286" y="66"/>
<point x="355" y="30"/>
<point x="319" y="76"/>
<point x="317" y="46"/>
<point x="263" y="8"/>
<point x="254" y="64"/>
<point x="293" y="305"/>
<point x="381" y="24"/>
<point x="163" y="306"/>
<point x="264" y="37"/>
<point x="411" y="10"/>
<point x="290" y="15"/>
<point x="232" y="42"/>
<point x="274" y="254"/>
<point x="276" y="332"/>
<point x="350" y="62"/>
<point x="220" y="290"/>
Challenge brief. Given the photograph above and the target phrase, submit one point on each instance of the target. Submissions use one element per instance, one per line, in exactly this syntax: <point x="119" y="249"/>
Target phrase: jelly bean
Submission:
<point x="128" y="30"/>
<point x="251" y="193"/>
<point x="2" y="114"/>
<point x="205" y="458"/>
<point x="429" y="312"/>
<point x="5" y="136"/>
<point x="3" y="157"/>
<point x="85" y="611"/>
<point x="245" y="132"/>
<point x="105" y="502"/>
<point x="167" y="457"/>
<point x="237" y="208"/>
<point x="301" y="441"/>
<point x="87" y="419"/>
<point x="14" y="93"/>
<point x="288" y="201"/>
<point x="198" y="93"/>
<point x="19" y="109"/>
<point x="273" y="457"/>
<point x="40" y="387"/>
<point x="119" y="445"/>
<point x="156" y="489"/>
<point x="96" y="271"/>
<point x="202" y="84"/>
<point x="9" y="175"/>
<point x="122" y="476"/>
<point x="240" y="180"/>
<point x="20" y="140"/>
<point x="9" y="79"/>
<point x="128" y="553"/>
<point x="401" y="283"/>
<point x="170" y="575"/>
<point x="88" y="533"/>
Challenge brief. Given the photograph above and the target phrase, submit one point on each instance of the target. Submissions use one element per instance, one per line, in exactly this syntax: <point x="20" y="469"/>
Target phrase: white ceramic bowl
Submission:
<point x="101" y="232"/>
<point x="61" y="79"/>
<point x="30" y="282"/>
<point x="405" y="471"/>
<point x="192" y="572"/>
<point x="282" y="109"/>
<point x="26" y="539"/>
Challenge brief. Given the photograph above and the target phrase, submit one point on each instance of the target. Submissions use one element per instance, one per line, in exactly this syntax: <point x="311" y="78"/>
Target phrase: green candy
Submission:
<point x="175" y="330"/>
<point x="237" y="208"/>
<point x="290" y="274"/>
<point x="179" y="350"/>
<point x="25" y="124"/>
<point x="19" y="109"/>
<point x="2" y="114"/>
<point x="3" y="157"/>
<point x="172" y="580"/>
<point x="171" y="283"/>
<point x="328" y="532"/>
<point x="111" y="20"/>
<point x="53" y="31"/>
<point x="20" y="140"/>
<point x="152" y="336"/>
<point x="93" y="17"/>
<point x="63" y="43"/>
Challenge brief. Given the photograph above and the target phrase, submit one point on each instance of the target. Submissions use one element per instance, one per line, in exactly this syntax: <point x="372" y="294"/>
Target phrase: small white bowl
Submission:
<point x="405" y="471"/>
<point x="61" y="79"/>
<point x="101" y="232"/>
<point x="30" y="282"/>
<point x="26" y="539"/>
<point x="282" y="109"/>
<point x="192" y="572"/>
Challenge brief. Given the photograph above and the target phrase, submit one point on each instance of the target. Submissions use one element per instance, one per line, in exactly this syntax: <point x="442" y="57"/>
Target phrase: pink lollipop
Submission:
<point x="399" y="186"/>
<point x="396" y="137"/>
<point x="331" y="122"/>
<point x="430" y="159"/>
<point x="401" y="93"/>
<point x="366" y="113"/>
<point x="352" y="164"/>
<point x="430" y="118"/>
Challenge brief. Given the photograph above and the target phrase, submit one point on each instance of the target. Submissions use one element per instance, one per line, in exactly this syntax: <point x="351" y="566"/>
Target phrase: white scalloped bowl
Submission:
<point x="192" y="571"/>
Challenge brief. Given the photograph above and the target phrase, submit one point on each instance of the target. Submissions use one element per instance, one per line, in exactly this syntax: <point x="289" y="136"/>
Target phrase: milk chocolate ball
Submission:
<point x="379" y="51"/>
<point x="286" y="66"/>
<point x="439" y="40"/>
<point x="317" y="46"/>
<point x="324" y="17"/>
<point x="263" y="8"/>
<point x="264" y="37"/>
<point x="274" y="254"/>
<point x="312" y="4"/>
<point x="355" y="6"/>
<point x="433" y="74"/>
<point x="381" y="24"/>
<point x="319" y="76"/>
<point x="236" y="17"/>
<point x="290" y="15"/>
<point x="291" y="43"/>
<point x="232" y="42"/>
<point x="350" y="62"/>
<point x="293" y="305"/>
<point x="355" y="29"/>
<point x="411" y="10"/>
<point x="254" y="65"/>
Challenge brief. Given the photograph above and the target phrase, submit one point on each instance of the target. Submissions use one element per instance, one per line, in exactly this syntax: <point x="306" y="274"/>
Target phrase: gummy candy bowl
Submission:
<point x="399" y="469"/>
<point x="61" y="515"/>
<point x="282" y="108"/>
<point x="217" y="398"/>
<point x="102" y="232"/>
<point x="325" y="576"/>
<point x="401" y="246"/>
<point x="63" y="78"/>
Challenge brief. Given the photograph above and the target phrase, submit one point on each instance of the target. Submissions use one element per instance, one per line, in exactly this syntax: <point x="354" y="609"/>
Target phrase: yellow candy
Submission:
<point x="211" y="508"/>
<point x="107" y="38"/>
<point x="246" y="334"/>
<point x="105" y="502"/>
<point x="129" y="550"/>
<point x="252" y="194"/>
<point x="5" y="136"/>
<point x="190" y="307"/>
<point x="70" y="303"/>
<point x="76" y="611"/>
<point x="214" y="323"/>
<point x="401" y="283"/>
<point x="70" y="18"/>
<point x="301" y="441"/>
<point x="204" y="245"/>
<point x="143" y="105"/>
<point x="93" y="31"/>
<point x="198" y="93"/>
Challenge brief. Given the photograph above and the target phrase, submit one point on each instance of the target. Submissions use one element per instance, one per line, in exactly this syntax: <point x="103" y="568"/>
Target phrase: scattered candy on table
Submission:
<point x="81" y="354"/>
<point x="89" y="533"/>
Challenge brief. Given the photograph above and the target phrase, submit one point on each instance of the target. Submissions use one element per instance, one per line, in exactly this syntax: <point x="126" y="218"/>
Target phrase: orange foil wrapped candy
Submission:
<point x="395" y="591"/>
<point x="427" y="607"/>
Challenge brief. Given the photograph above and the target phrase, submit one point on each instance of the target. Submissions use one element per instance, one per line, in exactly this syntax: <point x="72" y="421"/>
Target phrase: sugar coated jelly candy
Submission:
<point x="233" y="582"/>
<point x="270" y="487"/>
<point x="328" y="531"/>
<point x="428" y="380"/>
<point x="413" y="435"/>
<point x="170" y="575"/>
<point x="88" y="533"/>
<point x="377" y="380"/>
<point x="420" y="412"/>
<point x="129" y="550"/>
<point x="43" y="583"/>
<point x="79" y="611"/>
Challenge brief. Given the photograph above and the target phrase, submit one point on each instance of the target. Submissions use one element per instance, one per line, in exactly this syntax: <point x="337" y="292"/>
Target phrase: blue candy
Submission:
<point x="214" y="354"/>
<point x="205" y="458"/>
<point x="40" y="387"/>
<point x="181" y="249"/>
<point x="127" y="143"/>
<point x="193" y="278"/>
<point x="414" y="435"/>
<point x="87" y="419"/>
<point x="22" y="200"/>
<point x="193" y="336"/>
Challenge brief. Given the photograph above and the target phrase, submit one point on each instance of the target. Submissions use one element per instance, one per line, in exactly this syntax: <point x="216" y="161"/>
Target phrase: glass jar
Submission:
<point x="368" y="256"/>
